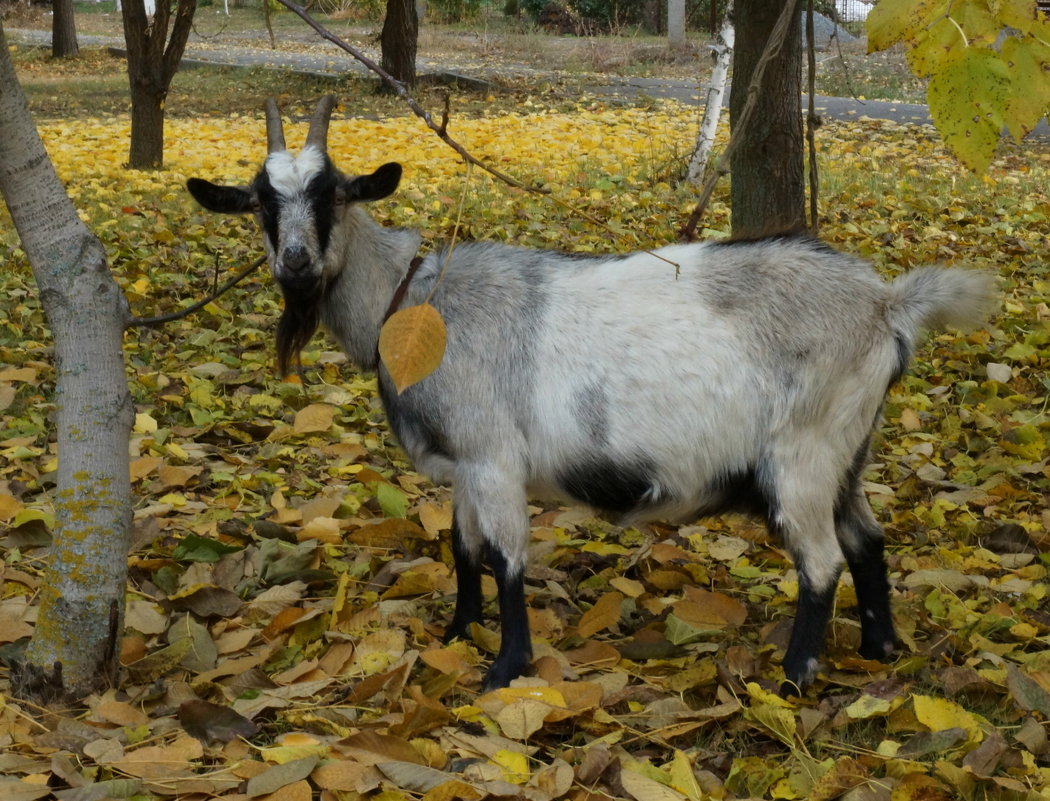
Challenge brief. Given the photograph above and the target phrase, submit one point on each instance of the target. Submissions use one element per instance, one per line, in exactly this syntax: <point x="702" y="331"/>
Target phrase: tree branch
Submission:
<point x="149" y="322"/>
<point x="773" y="46"/>
<point x="402" y="92"/>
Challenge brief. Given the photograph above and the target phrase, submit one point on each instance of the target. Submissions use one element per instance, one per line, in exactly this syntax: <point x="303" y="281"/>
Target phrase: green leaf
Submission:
<point x="1029" y="63"/>
<point x="939" y="43"/>
<point x="392" y="501"/>
<point x="893" y="21"/>
<point x="967" y="101"/>
<point x="195" y="548"/>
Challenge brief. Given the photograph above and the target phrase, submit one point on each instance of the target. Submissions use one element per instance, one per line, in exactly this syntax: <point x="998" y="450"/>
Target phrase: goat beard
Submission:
<point x="298" y="323"/>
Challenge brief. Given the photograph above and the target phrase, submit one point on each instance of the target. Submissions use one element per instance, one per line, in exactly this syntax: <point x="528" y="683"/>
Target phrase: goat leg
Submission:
<point x="468" y="587"/>
<point x="807" y="635"/>
<point x="515" y="650"/>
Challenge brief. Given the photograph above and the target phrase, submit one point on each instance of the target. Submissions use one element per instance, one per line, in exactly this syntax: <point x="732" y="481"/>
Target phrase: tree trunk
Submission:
<point x="75" y="644"/>
<point x="153" y="59"/>
<point x="768" y="190"/>
<point x="705" y="140"/>
<point x="398" y="40"/>
<point x="147" y="125"/>
<point x="63" y="30"/>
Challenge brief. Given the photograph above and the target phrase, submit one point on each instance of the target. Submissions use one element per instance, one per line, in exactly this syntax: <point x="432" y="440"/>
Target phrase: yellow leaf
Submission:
<point x="9" y="506"/>
<point x="682" y="777"/>
<point x="314" y="418"/>
<point x="514" y="764"/>
<point x="938" y="714"/>
<point x="412" y="344"/>
<point x="144" y="424"/>
<point x="868" y="706"/>
<point x="547" y="695"/>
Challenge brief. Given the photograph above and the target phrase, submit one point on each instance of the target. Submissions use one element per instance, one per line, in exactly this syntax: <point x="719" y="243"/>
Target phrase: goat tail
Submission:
<point x="933" y="298"/>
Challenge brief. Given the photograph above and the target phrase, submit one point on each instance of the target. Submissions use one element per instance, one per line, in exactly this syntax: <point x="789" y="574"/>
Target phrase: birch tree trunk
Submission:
<point x="75" y="644"/>
<point x="676" y="23"/>
<point x="705" y="140"/>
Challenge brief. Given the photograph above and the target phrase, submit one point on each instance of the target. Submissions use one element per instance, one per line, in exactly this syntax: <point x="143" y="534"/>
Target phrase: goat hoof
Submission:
<point x="501" y="676"/>
<point x="458" y="630"/>
<point x="882" y="651"/>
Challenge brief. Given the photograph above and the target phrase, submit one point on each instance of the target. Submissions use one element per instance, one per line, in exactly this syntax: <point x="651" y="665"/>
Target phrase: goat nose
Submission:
<point x="295" y="259"/>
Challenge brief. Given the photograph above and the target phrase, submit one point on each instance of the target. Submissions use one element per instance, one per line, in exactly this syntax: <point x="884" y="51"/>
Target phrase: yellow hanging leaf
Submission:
<point x="412" y="344"/>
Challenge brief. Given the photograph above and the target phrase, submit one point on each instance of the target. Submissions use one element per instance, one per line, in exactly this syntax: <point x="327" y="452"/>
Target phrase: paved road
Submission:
<point x="338" y="64"/>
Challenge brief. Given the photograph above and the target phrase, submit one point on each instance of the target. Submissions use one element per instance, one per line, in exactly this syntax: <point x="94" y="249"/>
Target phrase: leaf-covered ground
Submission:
<point x="290" y="577"/>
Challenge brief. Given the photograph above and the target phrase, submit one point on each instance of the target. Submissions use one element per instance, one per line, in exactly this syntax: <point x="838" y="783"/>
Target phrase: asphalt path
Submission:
<point x="340" y="64"/>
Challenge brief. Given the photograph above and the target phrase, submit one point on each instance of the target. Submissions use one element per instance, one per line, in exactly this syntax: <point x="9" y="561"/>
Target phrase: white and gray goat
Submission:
<point x="749" y="381"/>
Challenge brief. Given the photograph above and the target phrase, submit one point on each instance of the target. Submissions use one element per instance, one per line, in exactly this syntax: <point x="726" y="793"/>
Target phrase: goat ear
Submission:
<point x="376" y="186"/>
<point x="223" y="199"/>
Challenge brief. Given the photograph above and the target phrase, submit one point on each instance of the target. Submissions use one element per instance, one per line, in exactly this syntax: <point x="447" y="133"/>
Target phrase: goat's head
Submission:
<point x="298" y="200"/>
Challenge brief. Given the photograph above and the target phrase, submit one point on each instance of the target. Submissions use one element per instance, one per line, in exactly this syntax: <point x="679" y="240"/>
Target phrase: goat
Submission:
<point x="751" y="381"/>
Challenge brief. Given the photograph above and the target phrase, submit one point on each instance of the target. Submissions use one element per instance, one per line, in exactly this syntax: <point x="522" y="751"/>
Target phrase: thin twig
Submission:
<point x="167" y="318"/>
<point x="402" y="92"/>
<point x="773" y="46"/>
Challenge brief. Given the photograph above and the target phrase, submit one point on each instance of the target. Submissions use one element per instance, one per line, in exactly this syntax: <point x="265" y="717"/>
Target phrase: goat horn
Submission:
<point x="274" y="128"/>
<point x="318" y="135"/>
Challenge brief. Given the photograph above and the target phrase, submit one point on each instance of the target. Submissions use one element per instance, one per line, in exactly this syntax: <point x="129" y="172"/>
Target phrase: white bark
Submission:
<point x="723" y="53"/>
<point x="676" y="23"/>
<point x="75" y="644"/>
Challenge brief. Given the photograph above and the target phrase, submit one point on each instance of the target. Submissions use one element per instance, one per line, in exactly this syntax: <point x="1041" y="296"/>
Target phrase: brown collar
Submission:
<point x="402" y="288"/>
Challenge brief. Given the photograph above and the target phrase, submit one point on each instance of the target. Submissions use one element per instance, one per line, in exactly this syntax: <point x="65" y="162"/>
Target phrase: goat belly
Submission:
<point x="612" y="486"/>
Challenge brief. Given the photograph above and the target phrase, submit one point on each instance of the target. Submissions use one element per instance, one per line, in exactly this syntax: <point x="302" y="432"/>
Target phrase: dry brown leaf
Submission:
<point x="122" y="714"/>
<point x="523" y="718"/>
<point x="315" y="418"/>
<point x="642" y="788"/>
<point x="162" y="761"/>
<point x="603" y="615"/>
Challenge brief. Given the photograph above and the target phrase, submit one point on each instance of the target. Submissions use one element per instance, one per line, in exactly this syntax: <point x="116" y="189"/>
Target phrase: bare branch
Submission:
<point x="402" y="92"/>
<point x="150" y="322"/>
<point x="773" y="46"/>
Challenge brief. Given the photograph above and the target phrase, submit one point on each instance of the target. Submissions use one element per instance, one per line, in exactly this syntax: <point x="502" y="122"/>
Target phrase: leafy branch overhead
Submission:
<point x="988" y="65"/>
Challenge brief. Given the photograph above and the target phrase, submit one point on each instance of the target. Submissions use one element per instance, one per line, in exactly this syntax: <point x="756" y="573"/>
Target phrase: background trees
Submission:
<point x="398" y="40"/>
<point x="767" y="188"/>
<point x="63" y="30"/>
<point x="155" y="47"/>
